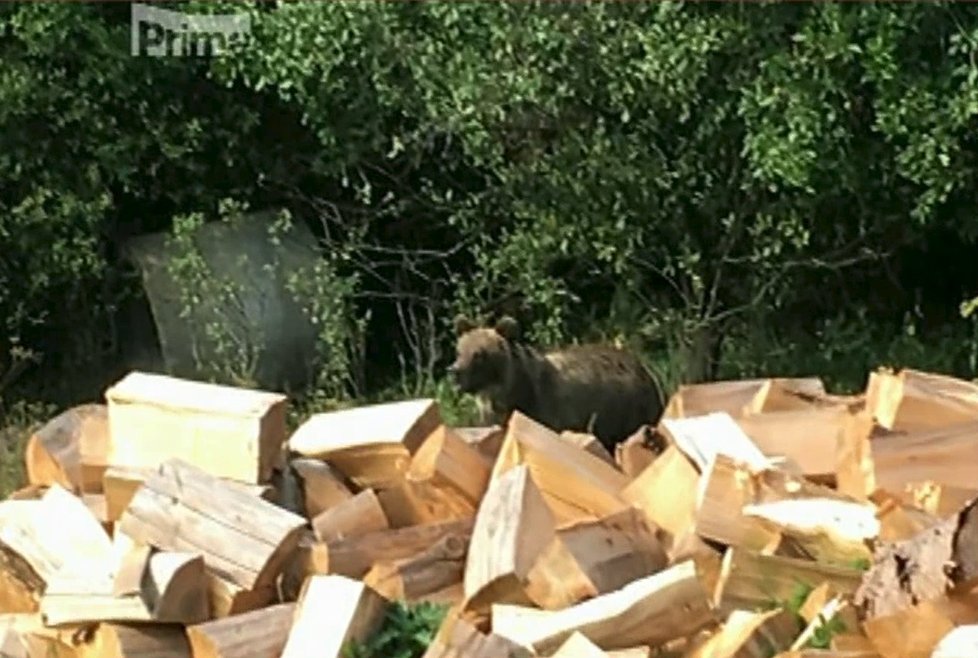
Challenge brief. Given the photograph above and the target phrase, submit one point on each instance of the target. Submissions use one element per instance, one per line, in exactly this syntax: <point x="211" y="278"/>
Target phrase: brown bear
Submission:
<point x="587" y="388"/>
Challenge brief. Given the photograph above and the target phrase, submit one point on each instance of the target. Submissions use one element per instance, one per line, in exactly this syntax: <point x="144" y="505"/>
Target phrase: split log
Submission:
<point x="855" y="472"/>
<point x="158" y="587"/>
<point x="257" y="634"/>
<point x="119" y="485"/>
<point x="946" y="455"/>
<point x="243" y="539"/>
<point x="228" y="432"/>
<point x="40" y="539"/>
<point x="746" y="634"/>
<point x="899" y="521"/>
<point x="634" y="454"/>
<point x="734" y="397"/>
<point x="354" y="556"/>
<point x="54" y="452"/>
<point x="912" y="400"/>
<point x="917" y="569"/>
<point x="487" y="440"/>
<point x="226" y="598"/>
<point x="136" y="641"/>
<point x="749" y="580"/>
<point x="739" y="507"/>
<point x="702" y="438"/>
<point x="651" y="611"/>
<point x="98" y="508"/>
<point x="445" y="461"/>
<point x="807" y="436"/>
<point x="588" y="443"/>
<point x="411" y="503"/>
<point x="576" y="485"/>
<point x="333" y="611"/>
<point x="355" y="516"/>
<point x="592" y="558"/>
<point x="322" y="486"/>
<point x="916" y="631"/>
<point x="511" y="530"/>
<point x="665" y="492"/>
<point x="578" y="646"/>
<point x="941" y="500"/>
<point x="371" y="445"/>
<point x="457" y="638"/>
<point x="429" y="573"/>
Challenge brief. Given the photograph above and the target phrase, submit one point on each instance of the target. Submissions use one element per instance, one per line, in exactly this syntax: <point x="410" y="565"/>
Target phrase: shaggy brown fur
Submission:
<point x="587" y="388"/>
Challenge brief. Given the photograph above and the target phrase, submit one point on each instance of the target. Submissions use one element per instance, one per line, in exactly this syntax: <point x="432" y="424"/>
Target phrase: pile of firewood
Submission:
<point x="759" y="518"/>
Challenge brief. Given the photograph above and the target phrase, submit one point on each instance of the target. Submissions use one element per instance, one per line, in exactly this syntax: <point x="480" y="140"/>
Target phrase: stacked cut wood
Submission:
<point x="758" y="518"/>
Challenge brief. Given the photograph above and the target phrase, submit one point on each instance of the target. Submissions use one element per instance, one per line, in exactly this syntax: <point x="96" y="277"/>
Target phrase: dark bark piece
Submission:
<point x="922" y="568"/>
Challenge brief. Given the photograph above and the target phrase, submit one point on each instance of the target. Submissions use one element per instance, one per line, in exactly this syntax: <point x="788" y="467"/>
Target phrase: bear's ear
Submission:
<point x="463" y="324"/>
<point x="508" y="328"/>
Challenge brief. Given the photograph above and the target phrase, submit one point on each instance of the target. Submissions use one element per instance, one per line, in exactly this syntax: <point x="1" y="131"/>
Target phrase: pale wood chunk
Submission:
<point x="39" y="539"/>
<point x="916" y="631"/>
<point x="256" y="634"/>
<point x="136" y="641"/>
<point x="226" y="598"/>
<point x="960" y="642"/>
<point x="162" y="587"/>
<point x="634" y="454"/>
<point x="748" y="509"/>
<point x="54" y="452"/>
<point x="746" y="634"/>
<point x="666" y="492"/>
<point x="651" y="611"/>
<point x="947" y="455"/>
<point x="899" y="521"/>
<point x="322" y="486"/>
<point x="734" y="397"/>
<point x="487" y="440"/>
<point x="749" y="580"/>
<point x="725" y="489"/>
<point x="912" y="400"/>
<point x="228" y="432"/>
<point x="592" y="558"/>
<point x="576" y="484"/>
<point x="447" y="462"/>
<point x="702" y="438"/>
<point x="243" y="538"/>
<point x="119" y="485"/>
<point x="430" y="573"/>
<point x="410" y="503"/>
<point x="354" y="556"/>
<point x="355" y="516"/>
<point x="578" y="646"/>
<point x="855" y="471"/>
<point x="512" y="528"/>
<point x="371" y="445"/>
<point x="938" y="499"/>
<point x="806" y="436"/>
<point x="333" y="611"/>
<point x="588" y="443"/>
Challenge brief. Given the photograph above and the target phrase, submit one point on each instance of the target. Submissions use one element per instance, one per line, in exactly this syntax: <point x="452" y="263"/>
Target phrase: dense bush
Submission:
<point x="734" y="189"/>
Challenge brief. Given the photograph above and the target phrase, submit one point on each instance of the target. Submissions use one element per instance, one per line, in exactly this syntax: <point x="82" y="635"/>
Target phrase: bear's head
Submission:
<point x="482" y="354"/>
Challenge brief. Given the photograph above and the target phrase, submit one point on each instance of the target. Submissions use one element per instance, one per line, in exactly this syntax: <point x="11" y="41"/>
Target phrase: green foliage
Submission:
<point x="17" y="422"/>
<point x="406" y="632"/>
<point x="732" y="190"/>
